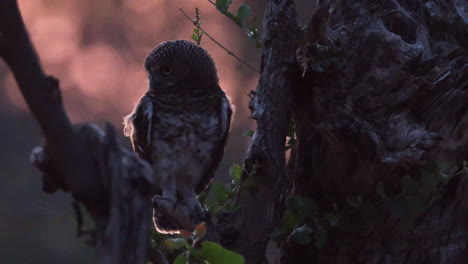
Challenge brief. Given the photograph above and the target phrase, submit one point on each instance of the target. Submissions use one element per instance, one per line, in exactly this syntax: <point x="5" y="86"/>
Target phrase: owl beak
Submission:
<point x="153" y="84"/>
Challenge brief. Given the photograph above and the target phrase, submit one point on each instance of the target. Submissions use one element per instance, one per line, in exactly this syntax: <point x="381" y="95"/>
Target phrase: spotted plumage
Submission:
<point x="180" y="126"/>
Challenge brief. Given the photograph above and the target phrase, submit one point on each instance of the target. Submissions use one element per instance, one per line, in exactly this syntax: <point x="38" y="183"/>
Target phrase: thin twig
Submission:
<point x="219" y="44"/>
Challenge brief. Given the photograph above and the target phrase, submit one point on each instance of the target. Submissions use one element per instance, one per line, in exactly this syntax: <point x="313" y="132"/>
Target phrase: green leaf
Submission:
<point x="209" y="203"/>
<point x="290" y="220"/>
<point x="211" y="206"/>
<point x="181" y="259"/>
<point x="332" y="219"/>
<point x="410" y="186"/>
<point x="242" y="14"/>
<point x="397" y="207"/>
<point x="215" y="254"/>
<point x="175" y="243"/>
<point x="236" y="172"/>
<point x="215" y="209"/>
<point x="249" y="133"/>
<point x="220" y="192"/>
<point x="223" y="5"/>
<point x="195" y="38"/>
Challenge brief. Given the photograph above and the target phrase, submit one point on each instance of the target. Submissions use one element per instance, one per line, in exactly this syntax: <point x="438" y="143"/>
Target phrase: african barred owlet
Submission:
<point x="180" y="126"/>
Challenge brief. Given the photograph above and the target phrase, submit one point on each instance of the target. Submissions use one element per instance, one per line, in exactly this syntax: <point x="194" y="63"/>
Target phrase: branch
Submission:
<point x="113" y="184"/>
<point x="42" y="95"/>
<point x="229" y="52"/>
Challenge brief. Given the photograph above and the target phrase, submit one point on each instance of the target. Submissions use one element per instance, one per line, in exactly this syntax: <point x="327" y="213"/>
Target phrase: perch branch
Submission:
<point x="113" y="184"/>
<point x="42" y="95"/>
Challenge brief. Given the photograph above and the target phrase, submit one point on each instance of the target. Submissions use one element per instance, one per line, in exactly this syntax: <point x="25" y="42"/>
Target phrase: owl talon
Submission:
<point x="171" y="216"/>
<point x="197" y="211"/>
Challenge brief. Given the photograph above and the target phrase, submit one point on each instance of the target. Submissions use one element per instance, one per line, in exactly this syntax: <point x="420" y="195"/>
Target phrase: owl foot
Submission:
<point x="172" y="216"/>
<point x="197" y="212"/>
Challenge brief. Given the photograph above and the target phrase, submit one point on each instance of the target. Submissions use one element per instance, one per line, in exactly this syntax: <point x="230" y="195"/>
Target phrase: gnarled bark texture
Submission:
<point x="396" y="100"/>
<point x="260" y="203"/>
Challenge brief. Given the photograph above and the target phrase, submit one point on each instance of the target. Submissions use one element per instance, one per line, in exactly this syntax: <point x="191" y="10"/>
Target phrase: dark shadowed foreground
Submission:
<point x="377" y="94"/>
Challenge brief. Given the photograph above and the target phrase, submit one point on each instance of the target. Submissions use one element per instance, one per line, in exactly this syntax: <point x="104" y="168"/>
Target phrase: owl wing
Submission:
<point x="226" y="112"/>
<point x="137" y="126"/>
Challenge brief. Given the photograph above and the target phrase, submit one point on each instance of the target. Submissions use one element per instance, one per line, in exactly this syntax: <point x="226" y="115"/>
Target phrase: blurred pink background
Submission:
<point x="97" y="49"/>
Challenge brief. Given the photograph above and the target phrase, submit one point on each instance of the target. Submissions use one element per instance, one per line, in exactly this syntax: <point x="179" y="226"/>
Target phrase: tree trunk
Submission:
<point x="384" y="95"/>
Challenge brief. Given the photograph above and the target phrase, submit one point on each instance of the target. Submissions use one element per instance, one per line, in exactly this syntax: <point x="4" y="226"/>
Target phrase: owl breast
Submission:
<point x="183" y="145"/>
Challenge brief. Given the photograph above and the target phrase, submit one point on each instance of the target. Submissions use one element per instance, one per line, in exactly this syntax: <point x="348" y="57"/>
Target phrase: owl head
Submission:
<point x="179" y="65"/>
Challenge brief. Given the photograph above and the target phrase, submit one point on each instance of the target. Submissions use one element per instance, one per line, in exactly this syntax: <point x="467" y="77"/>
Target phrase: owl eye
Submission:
<point x="166" y="70"/>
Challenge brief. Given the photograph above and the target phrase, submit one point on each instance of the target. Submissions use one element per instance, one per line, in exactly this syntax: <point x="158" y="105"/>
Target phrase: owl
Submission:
<point x="180" y="126"/>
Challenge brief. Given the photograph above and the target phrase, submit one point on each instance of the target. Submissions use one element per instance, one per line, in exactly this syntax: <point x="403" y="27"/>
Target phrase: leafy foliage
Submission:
<point x="195" y="251"/>
<point x="249" y="133"/>
<point x="224" y="195"/>
<point x="213" y="253"/>
<point x="191" y="248"/>
<point x="240" y="19"/>
<point x="304" y="223"/>
<point x="197" y="31"/>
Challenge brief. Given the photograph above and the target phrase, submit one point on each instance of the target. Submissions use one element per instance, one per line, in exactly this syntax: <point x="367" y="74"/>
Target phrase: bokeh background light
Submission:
<point x="96" y="49"/>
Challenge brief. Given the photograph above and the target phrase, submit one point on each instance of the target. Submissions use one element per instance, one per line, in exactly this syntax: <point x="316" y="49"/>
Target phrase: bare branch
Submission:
<point x="43" y="98"/>
<point x="113" y="184"/>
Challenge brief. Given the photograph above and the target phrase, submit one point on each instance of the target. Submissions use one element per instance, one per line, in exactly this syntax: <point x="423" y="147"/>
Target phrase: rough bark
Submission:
<point x="247" y="230"/>
<point x="395" y="101"/>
